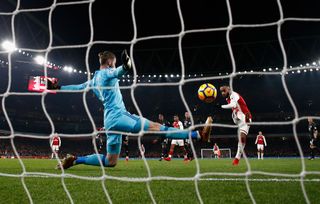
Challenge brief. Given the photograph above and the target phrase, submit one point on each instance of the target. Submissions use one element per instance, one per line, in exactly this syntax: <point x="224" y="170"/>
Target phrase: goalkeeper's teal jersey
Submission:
<point x="105" y="85"/>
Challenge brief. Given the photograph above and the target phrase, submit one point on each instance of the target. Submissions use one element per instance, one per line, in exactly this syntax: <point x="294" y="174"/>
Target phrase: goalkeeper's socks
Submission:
<point x="182" y="134"/>
<point x="93" y="160"/>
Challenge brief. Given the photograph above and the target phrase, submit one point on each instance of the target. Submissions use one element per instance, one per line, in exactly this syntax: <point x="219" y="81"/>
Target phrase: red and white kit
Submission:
<point x="240" y="111"/>
<point x="178" y="125"/>
<point x="55" y="143"/>
<point x="216" y="149"/>
<point x="261" y="142"/>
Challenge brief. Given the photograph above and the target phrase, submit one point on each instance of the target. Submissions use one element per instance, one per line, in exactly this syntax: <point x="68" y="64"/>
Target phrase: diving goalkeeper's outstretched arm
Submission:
<point x="108" y="73"/>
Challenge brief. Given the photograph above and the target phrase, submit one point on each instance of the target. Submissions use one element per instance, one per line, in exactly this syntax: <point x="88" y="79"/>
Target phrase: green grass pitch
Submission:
<point x="213" y="188"/>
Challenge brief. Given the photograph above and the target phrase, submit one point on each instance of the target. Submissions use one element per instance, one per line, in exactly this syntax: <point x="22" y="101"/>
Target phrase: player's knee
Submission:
<point x="153" y="126"/>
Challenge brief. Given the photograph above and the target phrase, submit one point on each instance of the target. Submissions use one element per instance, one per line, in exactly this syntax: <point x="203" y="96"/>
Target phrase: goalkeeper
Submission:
<point x="105" y="85"/>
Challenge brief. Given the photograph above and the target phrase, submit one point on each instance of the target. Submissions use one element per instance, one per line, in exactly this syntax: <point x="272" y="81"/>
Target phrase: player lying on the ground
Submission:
<point x="241" y="116"/>
<point x="105" y="85"/>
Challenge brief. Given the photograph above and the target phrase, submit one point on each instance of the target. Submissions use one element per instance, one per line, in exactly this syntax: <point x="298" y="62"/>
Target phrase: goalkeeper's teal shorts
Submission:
<point x="127" y="122"/>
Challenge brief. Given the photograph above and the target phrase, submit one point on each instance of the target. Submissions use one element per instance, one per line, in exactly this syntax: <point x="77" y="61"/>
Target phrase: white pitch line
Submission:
<point x="205" y="179"/>
<point x="261" y="180"/>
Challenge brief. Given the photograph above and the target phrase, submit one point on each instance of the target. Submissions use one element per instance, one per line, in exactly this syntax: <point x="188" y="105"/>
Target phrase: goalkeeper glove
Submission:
<point x="126" y="60"/>
<point x="52" y="85"/>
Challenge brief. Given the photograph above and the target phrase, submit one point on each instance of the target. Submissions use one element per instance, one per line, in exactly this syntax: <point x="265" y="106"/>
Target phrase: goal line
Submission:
<point x="39" y="175"/>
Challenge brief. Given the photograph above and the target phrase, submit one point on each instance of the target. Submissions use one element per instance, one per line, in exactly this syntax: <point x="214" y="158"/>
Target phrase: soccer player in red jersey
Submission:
<point x="260" y="142"/>
<point x="216" y="151"/>
<point x="241" y="116"/>
<point x="55" y="145"/>
<point x="177" y="124"/>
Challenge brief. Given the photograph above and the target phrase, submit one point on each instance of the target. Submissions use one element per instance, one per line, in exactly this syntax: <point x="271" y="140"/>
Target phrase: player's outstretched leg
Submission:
<point x="107" y="161"/>
<point x="206" y="131"/>
<point x="67" y="162"/>
<point x="113" y="143"/>
<point x="172" y="133"/>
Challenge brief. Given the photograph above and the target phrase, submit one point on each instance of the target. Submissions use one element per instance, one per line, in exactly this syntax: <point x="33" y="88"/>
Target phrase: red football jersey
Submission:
<point x="178" y="124"/>
<point x="241" y="104"/>
<point x="56" y="141"/>
<point x="260" y="139"/>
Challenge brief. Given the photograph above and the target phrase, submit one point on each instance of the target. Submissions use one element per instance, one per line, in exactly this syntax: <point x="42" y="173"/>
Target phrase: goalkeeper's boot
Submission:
<point x="206" y="131"/>
<point x="235" y="162"/>
<point x="67" y="162"/>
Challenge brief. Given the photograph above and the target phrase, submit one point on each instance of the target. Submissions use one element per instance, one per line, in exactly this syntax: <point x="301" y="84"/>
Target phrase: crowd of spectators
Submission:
<point x="278" y="146"/>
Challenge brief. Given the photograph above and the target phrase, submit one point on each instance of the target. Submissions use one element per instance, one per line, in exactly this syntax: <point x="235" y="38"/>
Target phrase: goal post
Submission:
<point x="207" y="153"/>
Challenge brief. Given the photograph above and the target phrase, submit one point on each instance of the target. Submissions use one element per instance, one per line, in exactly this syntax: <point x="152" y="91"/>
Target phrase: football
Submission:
<point x="207" y="93"/>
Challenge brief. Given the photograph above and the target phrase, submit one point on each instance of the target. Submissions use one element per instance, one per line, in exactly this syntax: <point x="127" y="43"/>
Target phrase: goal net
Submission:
<point x="149" y="181"/>
<point x="209" y="153"/>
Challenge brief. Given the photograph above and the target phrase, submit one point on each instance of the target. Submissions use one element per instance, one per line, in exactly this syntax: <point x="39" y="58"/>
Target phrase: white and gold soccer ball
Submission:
<point x="207" y="93"/>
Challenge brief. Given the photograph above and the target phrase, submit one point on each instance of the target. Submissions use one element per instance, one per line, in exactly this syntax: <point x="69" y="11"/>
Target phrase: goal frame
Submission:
<point x="204" y="149"/>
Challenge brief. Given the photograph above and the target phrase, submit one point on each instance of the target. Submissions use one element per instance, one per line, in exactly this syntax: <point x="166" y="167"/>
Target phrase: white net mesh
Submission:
<point x="198" y="175"/>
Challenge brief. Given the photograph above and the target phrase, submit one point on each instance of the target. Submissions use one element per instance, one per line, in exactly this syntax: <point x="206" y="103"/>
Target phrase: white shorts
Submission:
<point x="240" y="119"/>
<point x="55" y="148"/>
<point x="260" y="147"/>
<point x="177" y="142"/>
<point x="216" y="152"/>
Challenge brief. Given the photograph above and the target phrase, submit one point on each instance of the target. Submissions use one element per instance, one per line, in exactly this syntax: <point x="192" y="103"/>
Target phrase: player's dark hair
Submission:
<point x="105" y="56"/>
<point x="224" y="85"/>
